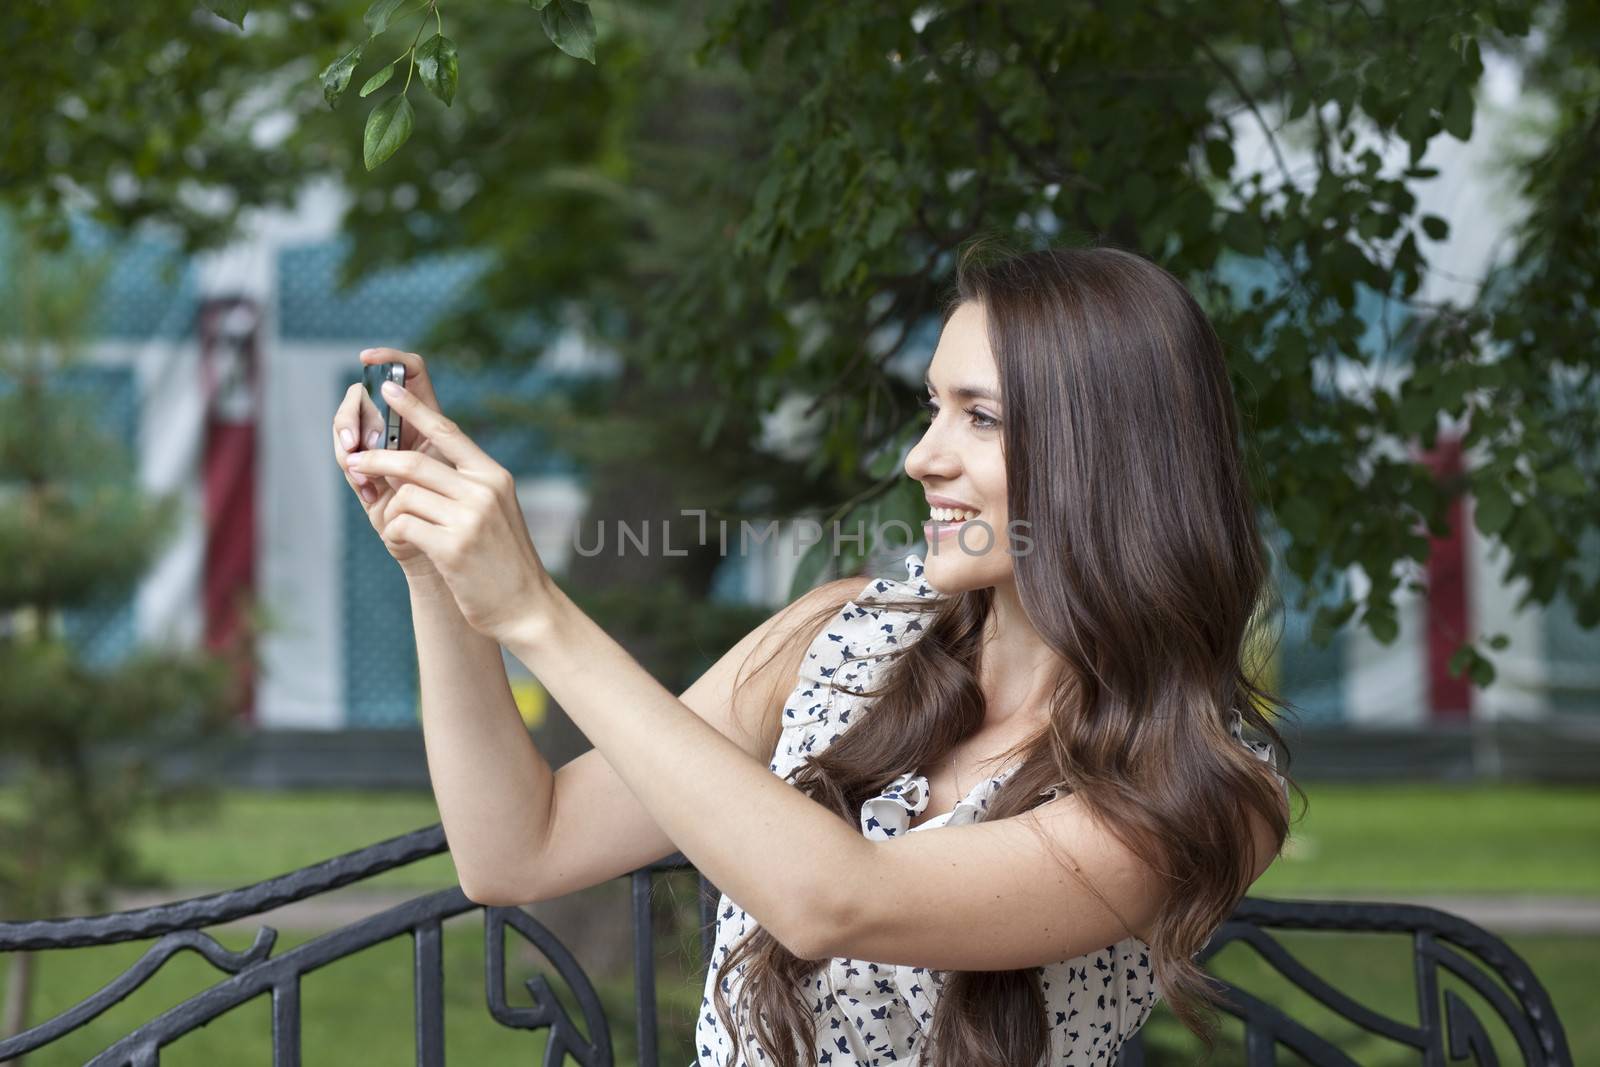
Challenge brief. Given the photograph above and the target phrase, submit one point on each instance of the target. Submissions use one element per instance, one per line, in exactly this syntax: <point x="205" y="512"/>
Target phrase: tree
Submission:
<point x="900" y="130"/>
<point x="754" y="202"/>
<point x="866" y="143"/>
<point x="75" y="534"/>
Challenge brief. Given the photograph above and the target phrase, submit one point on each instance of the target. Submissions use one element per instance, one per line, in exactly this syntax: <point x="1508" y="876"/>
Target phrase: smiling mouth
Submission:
<point x="947" y="522"/>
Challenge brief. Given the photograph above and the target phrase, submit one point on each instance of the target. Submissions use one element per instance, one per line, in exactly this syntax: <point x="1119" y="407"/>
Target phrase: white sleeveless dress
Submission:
<point x="868" y="1013"/>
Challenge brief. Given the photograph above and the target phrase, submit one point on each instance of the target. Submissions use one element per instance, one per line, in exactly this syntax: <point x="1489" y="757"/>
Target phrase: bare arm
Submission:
<point x="490" y="781"/>
<point x="491" y="784"/>
<point x="752" y="834"/>
<point x="520" y="832"/>
<point x="599" y="829"/>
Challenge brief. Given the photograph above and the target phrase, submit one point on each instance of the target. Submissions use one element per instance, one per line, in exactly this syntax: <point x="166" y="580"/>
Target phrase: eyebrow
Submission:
<point x="967" y="392"/>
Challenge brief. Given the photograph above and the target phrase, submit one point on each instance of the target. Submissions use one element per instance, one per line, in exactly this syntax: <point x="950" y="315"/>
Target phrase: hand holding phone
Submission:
<point x="364" y="420"/>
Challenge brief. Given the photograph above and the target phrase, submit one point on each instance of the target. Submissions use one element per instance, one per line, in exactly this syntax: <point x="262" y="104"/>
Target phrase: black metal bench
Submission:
<point x="1449" y="1029"/>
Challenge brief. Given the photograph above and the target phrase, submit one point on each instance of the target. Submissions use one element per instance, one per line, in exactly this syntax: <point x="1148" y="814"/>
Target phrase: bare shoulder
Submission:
<point x="1265" y="839"/>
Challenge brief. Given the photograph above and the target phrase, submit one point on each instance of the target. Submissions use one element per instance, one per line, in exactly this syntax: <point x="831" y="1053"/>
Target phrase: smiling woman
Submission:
<point x="1078" y="623"/>
<point x="1008" y="800"/>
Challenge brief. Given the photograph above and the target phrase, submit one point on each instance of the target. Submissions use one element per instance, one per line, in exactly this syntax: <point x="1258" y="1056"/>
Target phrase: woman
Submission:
<point x="1058" y="686"/>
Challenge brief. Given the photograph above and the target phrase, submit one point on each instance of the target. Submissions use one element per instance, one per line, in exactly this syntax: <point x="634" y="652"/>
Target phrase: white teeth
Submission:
<point x="951" y="514"/>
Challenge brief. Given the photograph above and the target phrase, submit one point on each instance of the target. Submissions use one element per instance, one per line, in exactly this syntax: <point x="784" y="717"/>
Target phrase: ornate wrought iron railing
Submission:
<point x="1449" y="1030"/>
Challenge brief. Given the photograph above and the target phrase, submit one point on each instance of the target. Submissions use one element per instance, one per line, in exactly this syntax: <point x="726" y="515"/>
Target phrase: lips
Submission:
<point x="935" y="501"/>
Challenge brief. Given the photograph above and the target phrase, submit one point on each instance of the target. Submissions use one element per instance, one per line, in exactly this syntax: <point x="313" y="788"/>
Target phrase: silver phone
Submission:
<point x="373" y="376"/>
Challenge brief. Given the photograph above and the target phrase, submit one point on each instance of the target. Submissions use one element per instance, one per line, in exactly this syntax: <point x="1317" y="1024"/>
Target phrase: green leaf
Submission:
<point x="1435" y="227"/>
<point x="436" y="66"/>
<point x="539" y="5"/>
<point x="1219" y="157"/>
<point x="378" y="80"/>
<point x="1566" y="480"/>
<point x="1243" y="232"/>
<point x="1532" y="527"/>
<point x="1328" y="619"/>
<point x="1457" y="116"/>
<point x="1493" y="510"/>
<point x="232" y="10"/>
<point x="378" y="15"/>
<point x="570" y="25"/>
<point x="1381" y="622"/>
<point x="387" y="129"/>
<point x="1511" y="21"/>
<point x="1300" y="518"/>
<point x="884" y="225"/>
<point x="336" y="76"/>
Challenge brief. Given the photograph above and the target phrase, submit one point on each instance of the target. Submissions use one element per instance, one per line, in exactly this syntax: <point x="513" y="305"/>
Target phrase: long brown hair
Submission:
<point x="1146" y="575"/>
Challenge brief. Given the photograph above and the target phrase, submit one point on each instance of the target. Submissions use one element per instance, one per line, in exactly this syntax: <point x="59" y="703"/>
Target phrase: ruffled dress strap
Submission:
<point x="869" y="624"/>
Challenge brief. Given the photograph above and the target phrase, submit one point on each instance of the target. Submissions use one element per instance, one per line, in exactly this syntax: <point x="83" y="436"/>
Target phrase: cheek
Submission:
<point x="993" y="483"/>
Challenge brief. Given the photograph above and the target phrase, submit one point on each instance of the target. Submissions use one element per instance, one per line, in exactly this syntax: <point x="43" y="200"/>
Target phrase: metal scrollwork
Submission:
<point x="1439" y="940"/>
<point x="547" y="1011"/>
<point x="1449" y="1027"/>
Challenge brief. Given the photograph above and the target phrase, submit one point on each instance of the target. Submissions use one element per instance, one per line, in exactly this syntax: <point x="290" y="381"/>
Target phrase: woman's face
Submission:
<point x="959" y="460"/>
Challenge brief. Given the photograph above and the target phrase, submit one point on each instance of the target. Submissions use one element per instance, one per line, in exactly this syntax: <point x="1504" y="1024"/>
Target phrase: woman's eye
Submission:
<point x="982" y="421"/>
<point x="979" y="419"/>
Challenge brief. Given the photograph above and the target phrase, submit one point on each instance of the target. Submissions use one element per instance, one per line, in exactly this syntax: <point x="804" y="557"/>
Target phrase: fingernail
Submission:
<point x="374" y="439"/>
<point x="368" y="493"/>
<point x="392" y="389"/>
<point x="368" y="351"/>
<point x="348" y="438"/>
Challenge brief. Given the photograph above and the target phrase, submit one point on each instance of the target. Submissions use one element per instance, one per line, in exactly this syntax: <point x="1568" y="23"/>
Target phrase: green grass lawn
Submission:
<point x="1371" y="840"/>
<point x="1398" y="839"/>
<point x="1405" y="839"/>
<point x="254" y="835"/>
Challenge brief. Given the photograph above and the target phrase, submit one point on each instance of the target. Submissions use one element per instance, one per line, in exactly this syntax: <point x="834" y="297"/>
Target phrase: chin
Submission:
<point x="950" y="569"/>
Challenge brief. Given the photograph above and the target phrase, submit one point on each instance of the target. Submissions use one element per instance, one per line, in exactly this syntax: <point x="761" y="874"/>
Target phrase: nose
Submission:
<point x="931" y="457"/>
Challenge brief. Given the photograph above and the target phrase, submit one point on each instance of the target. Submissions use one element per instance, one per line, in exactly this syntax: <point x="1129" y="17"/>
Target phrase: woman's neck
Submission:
<point x="1018" y="670"/>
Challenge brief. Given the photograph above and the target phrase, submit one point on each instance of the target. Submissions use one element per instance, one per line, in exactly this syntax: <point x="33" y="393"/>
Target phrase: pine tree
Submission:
<point x="80" y="739"/>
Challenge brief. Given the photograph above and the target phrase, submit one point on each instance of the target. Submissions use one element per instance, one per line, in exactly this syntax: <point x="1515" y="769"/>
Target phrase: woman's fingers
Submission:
<point x="347" y="421"/>
<point x="456" y="447"/>
<point x="425" y="504"/>
<point x="372" y="423"/>
<point x="409" y="531"/>
<point x="414" y="467"/>
<point x="355" y="428"/>
<point x="417" y="380"/>
<point x="357" y="423"/>
<point x="347" y="436"/>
